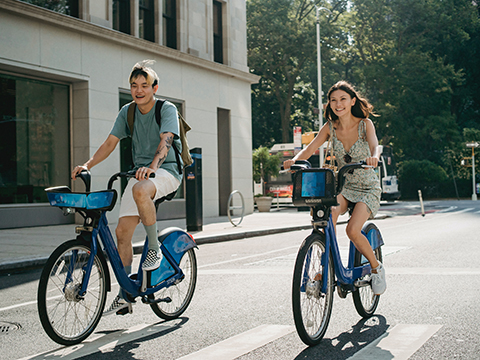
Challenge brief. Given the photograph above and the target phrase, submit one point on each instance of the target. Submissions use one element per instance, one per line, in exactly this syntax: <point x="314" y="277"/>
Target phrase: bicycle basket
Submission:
<point x="98" y="200"/>
<point x="313" y="187"/>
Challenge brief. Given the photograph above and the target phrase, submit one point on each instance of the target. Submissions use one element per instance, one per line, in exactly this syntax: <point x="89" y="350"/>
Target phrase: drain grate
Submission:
<point x="6" y="327"/>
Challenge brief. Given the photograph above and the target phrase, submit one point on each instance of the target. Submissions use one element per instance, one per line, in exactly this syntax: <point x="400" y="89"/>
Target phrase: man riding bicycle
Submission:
<point x="152" y="153"/>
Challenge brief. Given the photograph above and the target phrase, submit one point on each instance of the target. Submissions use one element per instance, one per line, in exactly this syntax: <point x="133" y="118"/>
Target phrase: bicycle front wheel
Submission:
<point x="365" y="300"/>
<point x="311" y="307"/>
<point x="180" y="294"/>
<point x="67" y="317"/>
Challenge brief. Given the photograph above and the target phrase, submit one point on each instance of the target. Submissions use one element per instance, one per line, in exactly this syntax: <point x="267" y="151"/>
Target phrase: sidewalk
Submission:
<point x="30" y="247"/>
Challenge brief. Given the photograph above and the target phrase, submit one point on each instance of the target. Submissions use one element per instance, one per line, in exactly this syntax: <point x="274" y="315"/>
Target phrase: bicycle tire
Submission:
<point x="311" y="309"/>
<point x="180" y="294"/>
<point x="365" y="300"/>
<point x="67" y="319"/>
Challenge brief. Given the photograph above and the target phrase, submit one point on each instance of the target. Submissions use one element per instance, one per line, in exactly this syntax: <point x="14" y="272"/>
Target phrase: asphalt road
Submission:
<point x="242" y="305"/>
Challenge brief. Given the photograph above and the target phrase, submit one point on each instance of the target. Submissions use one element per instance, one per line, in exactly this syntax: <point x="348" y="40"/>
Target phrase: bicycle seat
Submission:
<point x="165" y="198"/>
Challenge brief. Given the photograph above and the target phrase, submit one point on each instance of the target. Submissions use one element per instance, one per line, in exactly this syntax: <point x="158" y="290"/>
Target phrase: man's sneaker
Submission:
<point x="379" y="284"/>
<point x="119" y="306"/>
<point x="152" y="261"/>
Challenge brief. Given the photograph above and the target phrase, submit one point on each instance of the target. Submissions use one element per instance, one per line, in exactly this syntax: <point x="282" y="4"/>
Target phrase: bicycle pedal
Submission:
<point x="124" y="311"/>
<point x="151" y="300"/>
<point x="341" y="292"/>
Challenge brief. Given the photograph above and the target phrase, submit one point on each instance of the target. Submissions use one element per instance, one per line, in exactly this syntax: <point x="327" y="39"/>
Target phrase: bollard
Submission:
<point x="421" y="202"/>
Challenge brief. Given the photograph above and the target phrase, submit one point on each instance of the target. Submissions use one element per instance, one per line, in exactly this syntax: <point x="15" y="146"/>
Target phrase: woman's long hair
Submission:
<point x="362" y="108"/>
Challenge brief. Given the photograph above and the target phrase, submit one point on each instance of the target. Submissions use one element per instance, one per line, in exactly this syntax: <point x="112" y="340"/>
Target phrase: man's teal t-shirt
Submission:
<point x="146" y="135"/>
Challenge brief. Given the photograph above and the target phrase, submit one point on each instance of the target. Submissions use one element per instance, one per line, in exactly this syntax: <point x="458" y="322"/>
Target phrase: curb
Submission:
<point x="206" y="239"/>
<point x="138" y="247"/>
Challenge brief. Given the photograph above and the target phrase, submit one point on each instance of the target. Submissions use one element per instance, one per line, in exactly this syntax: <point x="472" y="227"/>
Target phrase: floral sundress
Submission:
<point x="362" y="185"/>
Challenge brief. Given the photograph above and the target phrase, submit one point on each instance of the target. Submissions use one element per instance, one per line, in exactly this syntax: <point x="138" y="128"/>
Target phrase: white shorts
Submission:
<point x="165" y="183"/>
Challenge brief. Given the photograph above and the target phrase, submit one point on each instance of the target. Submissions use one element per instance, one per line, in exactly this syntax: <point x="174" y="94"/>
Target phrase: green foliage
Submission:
<point x="264" y="165"/>
<point x="416" y="62"/>
<point x="421" y="175"/>
<point x="60" y="6"/>
<point x="282" y="50"/>
<point x="471" y="135"/>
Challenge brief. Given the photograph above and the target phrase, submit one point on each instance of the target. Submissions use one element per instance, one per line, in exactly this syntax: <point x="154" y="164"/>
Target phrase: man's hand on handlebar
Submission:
<point x="77" y="170"/>
<point x="144" y="173"/>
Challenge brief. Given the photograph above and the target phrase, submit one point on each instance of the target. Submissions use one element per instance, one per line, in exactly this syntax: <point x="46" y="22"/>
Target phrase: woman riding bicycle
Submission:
<point x="354" y="139"/>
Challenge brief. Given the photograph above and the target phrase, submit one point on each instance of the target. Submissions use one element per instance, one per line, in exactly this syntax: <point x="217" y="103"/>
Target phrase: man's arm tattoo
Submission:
<point x="167" y="146"/>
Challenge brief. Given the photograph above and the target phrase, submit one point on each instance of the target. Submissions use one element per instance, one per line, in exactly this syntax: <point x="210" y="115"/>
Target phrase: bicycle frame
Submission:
<point x="348" y="275"/>
<point x="133" y="284"/>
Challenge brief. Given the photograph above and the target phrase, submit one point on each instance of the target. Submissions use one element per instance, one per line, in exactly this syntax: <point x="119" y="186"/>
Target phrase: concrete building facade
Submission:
<point x="64" y="69"/>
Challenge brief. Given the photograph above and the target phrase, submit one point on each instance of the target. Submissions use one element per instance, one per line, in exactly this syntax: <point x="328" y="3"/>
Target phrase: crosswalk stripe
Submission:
<point x="399" y="343"/>
<point x="462" y="211"/>
<point x="105" y="342"/>
<point x="241" y="344"/>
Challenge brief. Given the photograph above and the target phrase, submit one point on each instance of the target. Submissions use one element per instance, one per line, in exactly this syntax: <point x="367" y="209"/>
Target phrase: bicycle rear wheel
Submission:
<point x="180" y="294"/>
<point x="311" y="308"/>
<point x="66" y="317"/>
<point x="365" y="300"/>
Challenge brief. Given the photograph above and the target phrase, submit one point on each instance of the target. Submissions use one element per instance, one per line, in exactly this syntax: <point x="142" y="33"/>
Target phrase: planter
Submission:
<point x="263" y="203"/>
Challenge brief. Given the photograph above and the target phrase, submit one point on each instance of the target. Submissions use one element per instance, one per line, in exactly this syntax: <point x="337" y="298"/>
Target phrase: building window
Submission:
<point x="126" y="159"/>
<point x="170" y="23"/>
<point x="217" y="32"/>
<point x="34" y="139"/>
<point x="147" y="20"/>
<point x="121" y="16"/>
<point x="66" y="7"/>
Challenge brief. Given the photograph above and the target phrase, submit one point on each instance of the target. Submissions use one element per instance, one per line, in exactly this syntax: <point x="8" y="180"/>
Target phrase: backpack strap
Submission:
<point x="131" y="116"/>
<point x="158" y="119"/>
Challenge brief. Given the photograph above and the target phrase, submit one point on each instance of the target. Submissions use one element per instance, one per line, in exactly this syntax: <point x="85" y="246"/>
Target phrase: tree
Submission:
<point x="264" y="165"/>
<point x="281" y="42"/>
<point x="406" y="49"/>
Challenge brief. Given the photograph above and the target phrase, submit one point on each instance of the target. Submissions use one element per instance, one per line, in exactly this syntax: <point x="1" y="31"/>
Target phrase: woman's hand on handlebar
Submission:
<point x="372" y="161"/>
<point x="77" y="170"/>
<point x="288" y="163"/>
<point x="144" y="173"/>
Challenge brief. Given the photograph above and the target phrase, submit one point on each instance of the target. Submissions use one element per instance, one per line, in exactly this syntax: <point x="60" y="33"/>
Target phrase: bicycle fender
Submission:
<point x="177" y="242"/>
<point x="374" y="237"/>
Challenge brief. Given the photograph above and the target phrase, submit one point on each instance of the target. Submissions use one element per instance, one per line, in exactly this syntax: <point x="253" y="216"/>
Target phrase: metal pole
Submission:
<point x="319" y="75"/>
<point x="474" y="193"/>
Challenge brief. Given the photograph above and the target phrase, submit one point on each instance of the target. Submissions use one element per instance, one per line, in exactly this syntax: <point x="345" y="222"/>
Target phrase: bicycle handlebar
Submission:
<point x="348" y="168"/>
<point x="124" y="174"/>
<point x="304" y="164"/>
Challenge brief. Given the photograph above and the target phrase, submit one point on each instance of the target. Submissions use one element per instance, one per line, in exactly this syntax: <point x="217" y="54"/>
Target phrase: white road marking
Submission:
<point x="103" y="343"/>
<point x="462" y="211"/>
<point x="447" y="209"/>
<point x="18" y="305"/>
<point x="241" y="344"/>
<point x="399" y="343"/>
<point x="432" y="271"/>
<point x="249" y="271"/>
<point x="248" y="257"/>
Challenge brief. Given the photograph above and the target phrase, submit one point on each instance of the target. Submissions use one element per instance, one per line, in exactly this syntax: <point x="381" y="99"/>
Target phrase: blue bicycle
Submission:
<point x="318" y="267"/>
<point x="75" y="280"/>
